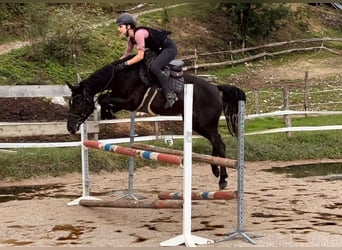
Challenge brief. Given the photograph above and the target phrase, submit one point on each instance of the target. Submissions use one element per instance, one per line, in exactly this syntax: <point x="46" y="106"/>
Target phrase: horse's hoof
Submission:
<point x="223" y="185"/>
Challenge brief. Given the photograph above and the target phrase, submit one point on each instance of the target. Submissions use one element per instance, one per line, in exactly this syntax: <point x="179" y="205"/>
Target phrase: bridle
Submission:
<point x="80" y="118"/>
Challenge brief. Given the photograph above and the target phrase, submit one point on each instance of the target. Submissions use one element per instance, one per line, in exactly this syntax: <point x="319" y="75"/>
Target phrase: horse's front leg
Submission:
<point x="130" y="103"/>
<point x="110" y="105"/>
<point x="223" y="176"/>
<point x="218" y="149"/>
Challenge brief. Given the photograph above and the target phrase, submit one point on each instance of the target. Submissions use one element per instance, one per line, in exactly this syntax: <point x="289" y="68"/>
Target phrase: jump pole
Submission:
<point x="147" y="155"/>
<point x="157" y="204"/>
<point x="186" y="237"/>
<point x="216" y="195"/>
<point x="223" y="162"/>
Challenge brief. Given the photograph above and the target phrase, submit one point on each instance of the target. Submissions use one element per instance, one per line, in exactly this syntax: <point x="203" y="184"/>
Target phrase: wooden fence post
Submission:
<point x="157" y="129"/>
<point x="287" y="118"/>
<point x="231" y="54"/>
<point x="256" y="101"/>
<point x="306" y="89"/>
<point x="195" y="62"/>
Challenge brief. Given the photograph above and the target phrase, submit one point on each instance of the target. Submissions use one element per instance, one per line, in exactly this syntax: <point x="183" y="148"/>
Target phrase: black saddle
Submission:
<point x="173" y="71"/>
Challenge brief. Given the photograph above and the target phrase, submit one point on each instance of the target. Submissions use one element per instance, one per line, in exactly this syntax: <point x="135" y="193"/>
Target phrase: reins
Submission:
<point x="84" y="115"/>
<point x="107" y="84"/>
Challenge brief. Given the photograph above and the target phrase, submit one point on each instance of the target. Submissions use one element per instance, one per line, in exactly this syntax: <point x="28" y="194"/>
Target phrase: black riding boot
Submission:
<point x="171" y="97"/>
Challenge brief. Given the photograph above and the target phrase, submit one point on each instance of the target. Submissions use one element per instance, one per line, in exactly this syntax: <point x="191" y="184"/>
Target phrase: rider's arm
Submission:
<point x="139" y="37"/>
<point x="129" y="49"/>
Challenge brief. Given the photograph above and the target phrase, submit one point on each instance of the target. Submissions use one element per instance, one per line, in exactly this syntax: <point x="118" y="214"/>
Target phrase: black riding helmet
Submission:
<point x="126" y="19"/>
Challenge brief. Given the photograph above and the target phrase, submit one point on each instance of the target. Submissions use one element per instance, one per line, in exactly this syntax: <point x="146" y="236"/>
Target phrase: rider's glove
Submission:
<point x="121" y="66"/>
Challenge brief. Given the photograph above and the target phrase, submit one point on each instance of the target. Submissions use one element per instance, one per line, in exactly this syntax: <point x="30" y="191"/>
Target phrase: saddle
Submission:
<point x="173" y="71"/>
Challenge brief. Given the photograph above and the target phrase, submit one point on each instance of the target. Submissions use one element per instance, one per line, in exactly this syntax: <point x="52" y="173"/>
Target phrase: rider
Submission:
<point x="148" y="38"/>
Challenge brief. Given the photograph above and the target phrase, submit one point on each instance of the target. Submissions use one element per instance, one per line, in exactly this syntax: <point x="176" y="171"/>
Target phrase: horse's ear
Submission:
<point x="70" y="86"/>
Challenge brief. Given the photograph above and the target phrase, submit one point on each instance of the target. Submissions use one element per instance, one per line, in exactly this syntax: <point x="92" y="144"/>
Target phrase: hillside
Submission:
<point x="201" y="27"/>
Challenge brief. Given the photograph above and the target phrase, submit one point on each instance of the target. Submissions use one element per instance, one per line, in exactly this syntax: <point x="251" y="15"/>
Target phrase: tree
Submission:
<point x="266" y="18"/>
<point x="242" y="12"/>
<point x="255" y="19"/>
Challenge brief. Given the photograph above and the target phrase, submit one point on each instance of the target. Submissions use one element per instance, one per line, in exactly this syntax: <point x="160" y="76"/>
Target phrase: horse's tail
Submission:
<point x="231" y="96"/>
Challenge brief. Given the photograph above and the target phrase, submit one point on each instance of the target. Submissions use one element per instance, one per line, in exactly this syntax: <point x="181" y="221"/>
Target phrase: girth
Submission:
<point x="145" y="105"/>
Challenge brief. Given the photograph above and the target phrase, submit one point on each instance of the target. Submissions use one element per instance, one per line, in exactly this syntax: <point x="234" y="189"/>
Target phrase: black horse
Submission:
<point x="128" y="91"/>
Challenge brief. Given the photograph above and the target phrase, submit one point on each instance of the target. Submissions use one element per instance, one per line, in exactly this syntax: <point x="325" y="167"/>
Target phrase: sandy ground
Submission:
<point x="279" y="210"/>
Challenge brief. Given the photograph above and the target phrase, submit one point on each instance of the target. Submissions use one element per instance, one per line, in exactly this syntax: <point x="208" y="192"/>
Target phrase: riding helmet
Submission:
<point x="126" y="18"/>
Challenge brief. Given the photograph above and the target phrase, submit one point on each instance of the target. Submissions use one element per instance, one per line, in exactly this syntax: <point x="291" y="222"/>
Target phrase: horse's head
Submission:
<point x="81" y="106"/>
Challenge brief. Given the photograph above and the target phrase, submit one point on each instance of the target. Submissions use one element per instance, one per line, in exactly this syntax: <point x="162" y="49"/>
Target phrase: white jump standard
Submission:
<point x="186" y="237"/>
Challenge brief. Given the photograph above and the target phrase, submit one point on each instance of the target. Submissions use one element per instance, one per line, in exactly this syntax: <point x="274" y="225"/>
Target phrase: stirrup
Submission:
<point x="171" y="98"/>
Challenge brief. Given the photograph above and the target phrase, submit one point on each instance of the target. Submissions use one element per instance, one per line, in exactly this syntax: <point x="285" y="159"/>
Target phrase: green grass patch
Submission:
<point x="25" y="163"/>
<point x="278" y="122"/>
<point x="303" y="145"/>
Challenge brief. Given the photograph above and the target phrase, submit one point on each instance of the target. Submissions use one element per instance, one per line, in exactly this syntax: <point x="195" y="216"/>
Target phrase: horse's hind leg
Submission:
<point x="218" y="149"/>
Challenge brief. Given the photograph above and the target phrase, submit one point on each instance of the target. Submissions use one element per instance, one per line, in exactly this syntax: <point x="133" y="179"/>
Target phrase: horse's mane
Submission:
<point x="102" y="75"/>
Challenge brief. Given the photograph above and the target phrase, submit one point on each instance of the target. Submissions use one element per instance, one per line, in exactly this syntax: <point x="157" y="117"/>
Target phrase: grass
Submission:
<point x="25" y="163"/>
<point x="303" y="145"/>
<point x="103" y="47"/>
<point x="277" y="122"/>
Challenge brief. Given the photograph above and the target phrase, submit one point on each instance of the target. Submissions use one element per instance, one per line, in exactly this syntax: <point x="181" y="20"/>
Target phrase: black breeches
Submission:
<point x="167" y="54"/>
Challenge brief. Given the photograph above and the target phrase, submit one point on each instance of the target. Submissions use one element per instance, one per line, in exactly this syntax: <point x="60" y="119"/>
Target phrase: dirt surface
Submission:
<point x="280" y="211"/>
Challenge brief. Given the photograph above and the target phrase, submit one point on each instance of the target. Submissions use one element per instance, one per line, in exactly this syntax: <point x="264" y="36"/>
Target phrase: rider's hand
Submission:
<point x="121" y="66"/>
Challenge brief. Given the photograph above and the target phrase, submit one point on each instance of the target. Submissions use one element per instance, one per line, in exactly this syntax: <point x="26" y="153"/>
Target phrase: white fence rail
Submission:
<point x="173" y="118"/>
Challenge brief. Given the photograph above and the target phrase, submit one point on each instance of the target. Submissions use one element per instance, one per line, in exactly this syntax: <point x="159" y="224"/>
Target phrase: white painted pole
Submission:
<point x="86" y="183"/>
<point x="84" y="158"/>
<point x="186" y="238"/>
<point x="85" y="164"/>
<point x="187" y="160"/>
